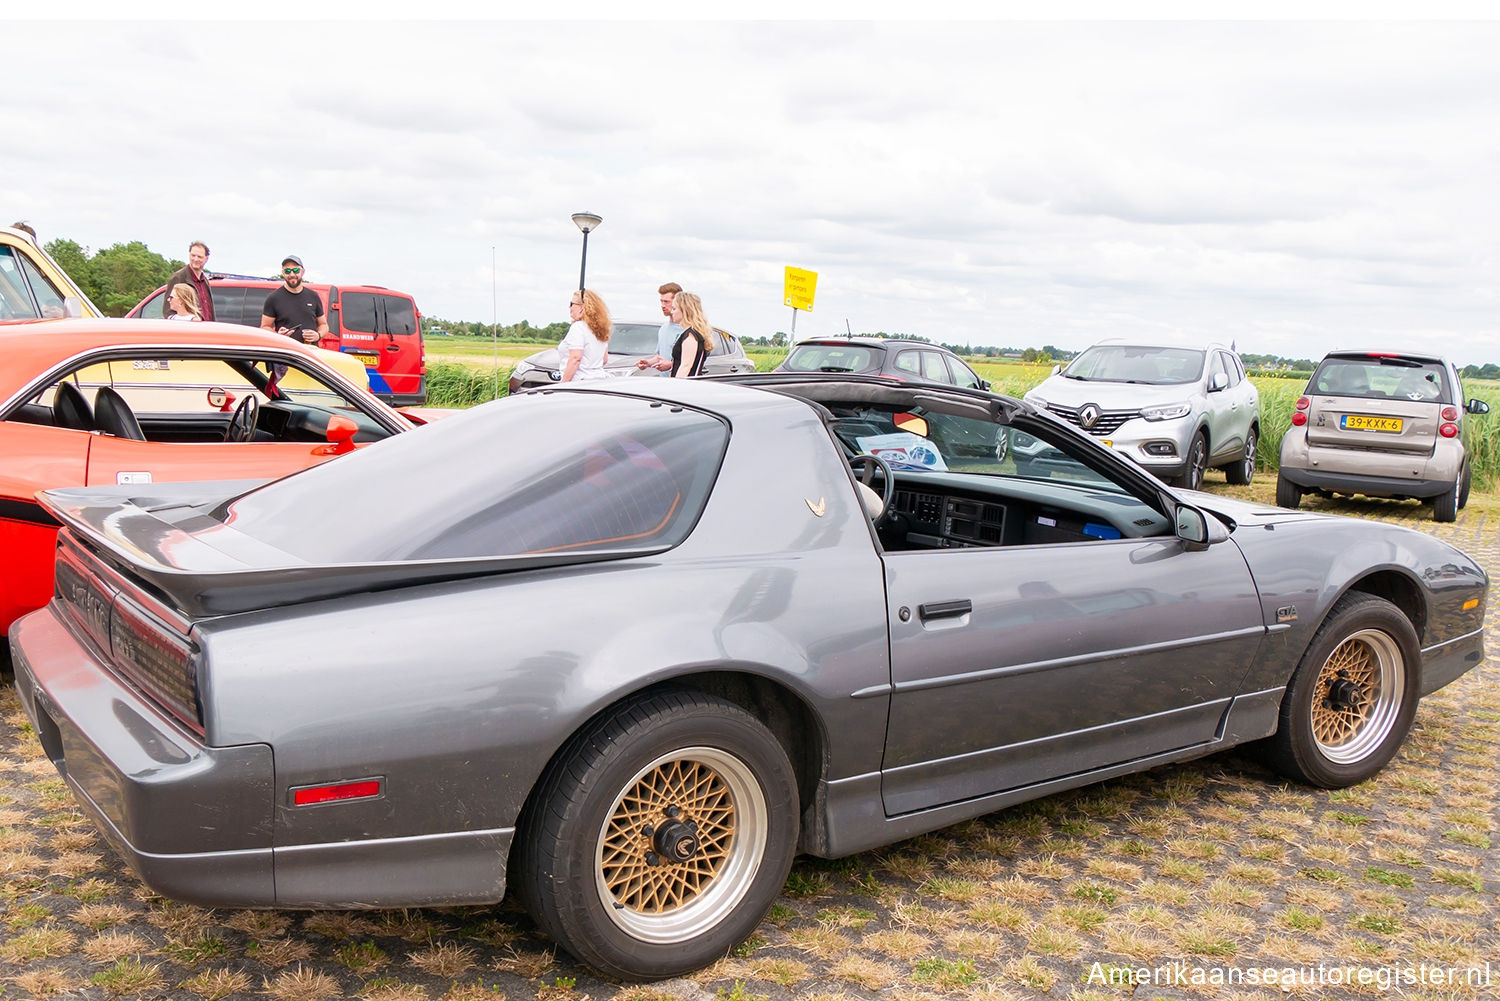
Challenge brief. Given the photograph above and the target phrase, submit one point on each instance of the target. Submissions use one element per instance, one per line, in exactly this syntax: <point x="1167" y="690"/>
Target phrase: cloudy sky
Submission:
<point x="1292" y="186"/>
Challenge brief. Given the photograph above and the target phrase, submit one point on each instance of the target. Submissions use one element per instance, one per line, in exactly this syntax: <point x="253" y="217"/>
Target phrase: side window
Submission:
<point x="933" y="367"/>
<point x="908" y="361"/>
<point x="963" y="375"/>
<point x="400" y="315"/>
<point x="1226" y="361"/>
<point x="151" y="308"/>
<point x="229" y="305"/>
<point x="357" y="312"/>
<point x="15" y="300"/>
<point x="47" y="295"/>
<point x="250" y="304"/>
<point x="1216" y="367"/>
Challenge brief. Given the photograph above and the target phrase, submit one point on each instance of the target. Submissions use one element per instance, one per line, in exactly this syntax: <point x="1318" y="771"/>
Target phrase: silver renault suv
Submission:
<point x="1382" y="424"/>
<point x="1175" y="410"/>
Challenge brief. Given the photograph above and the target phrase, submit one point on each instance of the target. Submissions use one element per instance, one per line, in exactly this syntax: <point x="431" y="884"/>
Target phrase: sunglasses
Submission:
<point x="573" y="302"/>
<point x="291" y="271"/>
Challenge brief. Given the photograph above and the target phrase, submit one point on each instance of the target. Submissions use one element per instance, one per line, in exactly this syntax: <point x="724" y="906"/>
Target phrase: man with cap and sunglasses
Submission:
<point x="294" y="309"/>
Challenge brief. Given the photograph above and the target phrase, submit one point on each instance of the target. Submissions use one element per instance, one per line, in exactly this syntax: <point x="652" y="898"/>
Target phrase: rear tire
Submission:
<point x="660" y="836"/>
<point x="1242" y="472"/>
<point x="1445" y="504"/>
<point x="1288" y="494"/>
<point x="1351" y="700"/>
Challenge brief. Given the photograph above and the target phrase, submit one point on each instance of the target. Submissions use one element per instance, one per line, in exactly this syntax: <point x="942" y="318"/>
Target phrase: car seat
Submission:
<point x="70" y="409"/>
<point x="112" y="415"/>
<point x="1347" y="380"/>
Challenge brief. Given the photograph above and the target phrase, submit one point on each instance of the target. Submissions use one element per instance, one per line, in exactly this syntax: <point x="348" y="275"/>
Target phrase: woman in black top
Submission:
<point x="696" y="340"/>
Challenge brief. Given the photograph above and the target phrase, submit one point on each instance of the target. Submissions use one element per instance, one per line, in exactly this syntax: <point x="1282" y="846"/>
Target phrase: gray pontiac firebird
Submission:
<point x="629" y="648"/>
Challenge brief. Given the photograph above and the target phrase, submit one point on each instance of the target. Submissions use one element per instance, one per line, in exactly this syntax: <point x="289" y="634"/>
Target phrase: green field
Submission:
<point x="463" y="371"/>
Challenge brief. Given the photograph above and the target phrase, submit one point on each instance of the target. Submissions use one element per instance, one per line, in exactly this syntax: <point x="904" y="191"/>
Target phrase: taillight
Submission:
<point x="1450" y="413"/>
<point x="1299" y="418"/>
<point x="1448" y="430"/>
<point x="1303" y="403"/>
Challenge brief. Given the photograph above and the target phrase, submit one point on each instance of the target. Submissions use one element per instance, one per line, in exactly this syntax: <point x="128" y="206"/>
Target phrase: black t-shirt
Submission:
<point x="296" y="311"/>
<point x="698" y="359"/>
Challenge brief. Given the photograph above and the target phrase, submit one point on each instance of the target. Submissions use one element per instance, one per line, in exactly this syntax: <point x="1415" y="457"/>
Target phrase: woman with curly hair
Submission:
<point x="696" y="340"/>
<point x="586" y="347"/>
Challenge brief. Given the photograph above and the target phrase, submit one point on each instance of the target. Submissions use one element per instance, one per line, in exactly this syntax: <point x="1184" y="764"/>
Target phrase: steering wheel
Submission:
<point x="242" y="424"/>
<point x="866" y="465"/>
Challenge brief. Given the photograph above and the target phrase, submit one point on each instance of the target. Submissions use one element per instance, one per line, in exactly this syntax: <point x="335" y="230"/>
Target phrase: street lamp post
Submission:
<point x="585" y="221"/>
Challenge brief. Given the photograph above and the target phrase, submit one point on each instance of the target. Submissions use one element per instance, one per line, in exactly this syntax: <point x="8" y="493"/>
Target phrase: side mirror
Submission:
<point x="72" y="307"/>
<point x="984" y="384"/>
<point x="1056" y="369"/>
<point x="1477" y="407"/>
<point x="1218" y="382"/>
<point x="1192" y="527"/>
<point x="341" y="431"/>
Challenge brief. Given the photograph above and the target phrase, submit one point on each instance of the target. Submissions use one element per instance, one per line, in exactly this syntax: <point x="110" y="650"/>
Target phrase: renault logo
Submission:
<point x="1088" y="415"/>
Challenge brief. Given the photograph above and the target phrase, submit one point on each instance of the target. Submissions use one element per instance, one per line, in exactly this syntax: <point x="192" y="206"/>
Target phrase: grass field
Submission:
<point x="463" y="371"/>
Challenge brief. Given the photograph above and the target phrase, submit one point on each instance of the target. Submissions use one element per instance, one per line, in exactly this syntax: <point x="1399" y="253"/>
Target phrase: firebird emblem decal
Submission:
<point x="819" y="508"/>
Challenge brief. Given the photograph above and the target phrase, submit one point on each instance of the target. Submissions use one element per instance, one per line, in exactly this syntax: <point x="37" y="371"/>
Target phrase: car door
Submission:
<point x="1014" y="665"/>
<point x="1228" y="411"/>
<point x="36" y="457"/>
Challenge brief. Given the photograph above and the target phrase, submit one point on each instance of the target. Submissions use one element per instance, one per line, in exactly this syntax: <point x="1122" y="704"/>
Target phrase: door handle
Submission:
<point x="945" y="609"/>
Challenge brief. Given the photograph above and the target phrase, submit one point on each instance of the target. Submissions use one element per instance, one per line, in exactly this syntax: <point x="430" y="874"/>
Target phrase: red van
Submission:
<point x="379" y="326"/>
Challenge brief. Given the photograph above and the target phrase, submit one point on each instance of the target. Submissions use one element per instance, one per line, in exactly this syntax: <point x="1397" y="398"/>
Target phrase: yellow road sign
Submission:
<point x="799" y="288"/>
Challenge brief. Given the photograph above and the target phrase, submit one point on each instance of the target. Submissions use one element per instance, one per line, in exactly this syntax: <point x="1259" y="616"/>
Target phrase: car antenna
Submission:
<point x="847" y="327"/>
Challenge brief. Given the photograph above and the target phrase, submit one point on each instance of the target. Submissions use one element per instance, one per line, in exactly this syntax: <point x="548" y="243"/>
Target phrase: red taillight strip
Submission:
<point x="336" y="793"/>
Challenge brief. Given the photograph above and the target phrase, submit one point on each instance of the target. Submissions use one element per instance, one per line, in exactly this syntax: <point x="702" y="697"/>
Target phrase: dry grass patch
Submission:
<point x="984" y="869"/>
<point x="302" y="984"/>
<point x="897" y="943"/>
<point x="17" y="862"/>
<point x="396" y="990"/>
<point x="1108" y="868"/>
<point x="1022" y="890"/>
<point x="1049" y="940"/>
<point x="1162" y="892"/>
<point x="1300" y="948"/>
<point x="525" y="963"/>
<point x="279" y="951"/>
<point x="16" y="839"/>
<point x="916" y="914"/>
<point x="786" y="972"/>
<point x="958" y="891"/>
<point x="37" y="943"/>
<point x="339" y="924"/>
<point x="71" y="865"/>
<point x="46" y="982"/>
<point x="112" y="945"/>
<point x="410" y="925"/>
<point x="259" y="924"/>
<point x="1045" y="867"/>
<point x="1228" y="892"/>
<point x="823" y="941"/>
<point x="447" y="960"/>
<point x="73" y="841"/>
<point x="999" y="914"/>
<point x="1133" y="942"/>
<point x="130" y="976"/>
<point x="1029" y="972"/>
<point x="868" y="973"/>
<point x="904" y="865"/>
<point x="214" y="985"/>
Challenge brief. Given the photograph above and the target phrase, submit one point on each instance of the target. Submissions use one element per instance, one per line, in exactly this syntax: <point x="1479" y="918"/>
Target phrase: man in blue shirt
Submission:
<point x="665" y="337"/>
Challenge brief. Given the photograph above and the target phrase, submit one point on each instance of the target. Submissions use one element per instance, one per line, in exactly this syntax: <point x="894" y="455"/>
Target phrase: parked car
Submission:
<point x="629" y="342"/>
<point x="1383" y="424"/>
<point x="1175" y="410"/>
<point x="265" y="702"/>
<point x="380" y="328"/>
<point x="893" y="357"/>
<point x="87" y="402"/>
<point x="32" y="285"/>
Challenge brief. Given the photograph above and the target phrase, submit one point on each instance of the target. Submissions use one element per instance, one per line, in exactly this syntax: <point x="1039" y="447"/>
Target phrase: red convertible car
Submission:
<point x="91" y="402"/>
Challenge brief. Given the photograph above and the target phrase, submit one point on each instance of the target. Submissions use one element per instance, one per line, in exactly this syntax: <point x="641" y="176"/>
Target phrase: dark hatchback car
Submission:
<point x="909" y="361"/>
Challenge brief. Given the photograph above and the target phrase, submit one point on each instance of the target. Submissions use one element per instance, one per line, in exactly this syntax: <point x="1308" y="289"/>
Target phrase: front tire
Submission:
<point x="660" y="836"/>
<point x="1288" y="494"/>
<point x="1242" y="472"/>
<point x="1197" y="463"/>
<point x="1351" y="700"/>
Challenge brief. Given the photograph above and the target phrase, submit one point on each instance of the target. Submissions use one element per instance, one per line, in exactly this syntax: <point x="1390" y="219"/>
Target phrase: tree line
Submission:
<point x="117" y="277"/>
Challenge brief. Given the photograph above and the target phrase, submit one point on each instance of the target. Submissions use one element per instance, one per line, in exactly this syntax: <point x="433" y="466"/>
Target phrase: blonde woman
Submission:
<point x="183" y="301"/>
<point x="696" y="339"/>
<point x="585" y="349"/>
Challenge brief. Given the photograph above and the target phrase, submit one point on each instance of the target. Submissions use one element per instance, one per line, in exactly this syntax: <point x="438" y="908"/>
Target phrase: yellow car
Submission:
<point x="32" y="285"/>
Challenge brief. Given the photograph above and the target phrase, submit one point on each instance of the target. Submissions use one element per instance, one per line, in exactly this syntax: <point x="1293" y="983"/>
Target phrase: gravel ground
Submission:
<point x="1188" y="881"/>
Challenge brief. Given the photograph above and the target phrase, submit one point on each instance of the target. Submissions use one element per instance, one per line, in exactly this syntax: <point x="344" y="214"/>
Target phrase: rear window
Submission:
<point x="833" y="358"/>
<point x="1382" y="379"/>
<point x="561" y="473"/>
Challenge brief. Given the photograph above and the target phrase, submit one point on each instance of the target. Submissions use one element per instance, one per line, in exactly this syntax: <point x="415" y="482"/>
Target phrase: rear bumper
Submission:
<point x="1357" y="483"/>
<point x="194" y="822"/>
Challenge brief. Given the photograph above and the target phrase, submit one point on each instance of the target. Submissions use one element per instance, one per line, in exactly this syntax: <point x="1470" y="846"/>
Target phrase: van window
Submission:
<point x="400" y="317"/>
<point x="357" y="312"/>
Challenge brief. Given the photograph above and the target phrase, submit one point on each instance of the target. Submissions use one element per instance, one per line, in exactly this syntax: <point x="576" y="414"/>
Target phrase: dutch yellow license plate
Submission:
<point x="1362" y="422"/>
<point x="371" y="361"/>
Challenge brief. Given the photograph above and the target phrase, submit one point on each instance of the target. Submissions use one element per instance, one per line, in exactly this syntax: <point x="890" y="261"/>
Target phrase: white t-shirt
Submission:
<point x="581" y="338"/>
<point x="184" y="316"/>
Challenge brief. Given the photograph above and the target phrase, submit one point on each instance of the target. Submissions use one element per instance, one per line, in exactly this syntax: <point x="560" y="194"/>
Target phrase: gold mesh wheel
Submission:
<point x="1358" y="696"/>
<point x="682" y="844"/>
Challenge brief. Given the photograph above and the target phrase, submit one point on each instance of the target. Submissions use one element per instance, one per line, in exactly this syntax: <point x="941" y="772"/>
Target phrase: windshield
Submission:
<point x="1151" y="366"/>
<point x="833" y="358"/>
<point x="633" y="339"/>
